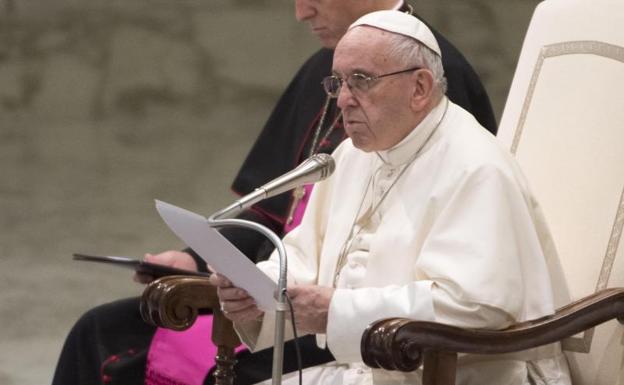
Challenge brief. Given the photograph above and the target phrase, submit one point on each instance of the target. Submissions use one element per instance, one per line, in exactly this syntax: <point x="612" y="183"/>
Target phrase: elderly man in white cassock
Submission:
<point x="425" y="217"/>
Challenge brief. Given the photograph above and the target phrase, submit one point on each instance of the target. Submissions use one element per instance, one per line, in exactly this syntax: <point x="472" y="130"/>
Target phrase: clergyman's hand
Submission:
<point x="311" y="307"/>
<point x="237" y="305"/>
<point x="172" y="258"/>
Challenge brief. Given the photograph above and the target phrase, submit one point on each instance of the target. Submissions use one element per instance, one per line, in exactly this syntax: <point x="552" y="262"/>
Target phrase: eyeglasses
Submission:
<point x="355" y="81"/>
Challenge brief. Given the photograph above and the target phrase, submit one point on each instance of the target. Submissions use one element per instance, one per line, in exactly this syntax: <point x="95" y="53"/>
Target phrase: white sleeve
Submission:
<point x="352" y="310"/>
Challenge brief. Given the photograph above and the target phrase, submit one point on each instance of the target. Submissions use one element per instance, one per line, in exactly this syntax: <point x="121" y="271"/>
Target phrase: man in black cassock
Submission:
<point x="109" y="343"/>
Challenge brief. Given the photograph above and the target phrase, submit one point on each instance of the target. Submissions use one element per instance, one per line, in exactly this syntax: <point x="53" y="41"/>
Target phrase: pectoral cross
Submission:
<point x="298" y="195"/>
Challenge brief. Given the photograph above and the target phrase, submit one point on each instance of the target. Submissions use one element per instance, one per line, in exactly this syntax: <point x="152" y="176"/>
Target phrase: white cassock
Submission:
<point x="457" y="239"/>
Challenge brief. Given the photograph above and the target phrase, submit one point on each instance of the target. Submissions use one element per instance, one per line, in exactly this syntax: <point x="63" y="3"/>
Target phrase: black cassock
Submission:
<point x="110" y="342"/>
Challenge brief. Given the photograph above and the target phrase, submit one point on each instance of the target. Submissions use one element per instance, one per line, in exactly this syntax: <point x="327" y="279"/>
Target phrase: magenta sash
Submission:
<point x="182" y="358"/>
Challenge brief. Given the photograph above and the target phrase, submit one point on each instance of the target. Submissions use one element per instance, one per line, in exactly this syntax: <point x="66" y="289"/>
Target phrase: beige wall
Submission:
<point x="106" y="105"/>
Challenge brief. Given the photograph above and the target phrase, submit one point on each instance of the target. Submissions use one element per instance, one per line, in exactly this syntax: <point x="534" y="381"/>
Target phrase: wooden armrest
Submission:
<point x="402" y="344"/>
<point x="173" y="302"/>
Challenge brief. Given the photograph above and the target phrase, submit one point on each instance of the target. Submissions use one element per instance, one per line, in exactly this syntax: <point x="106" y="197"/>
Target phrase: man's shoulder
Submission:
<point x="468" y="143"/>
<point x="466" y="152"/>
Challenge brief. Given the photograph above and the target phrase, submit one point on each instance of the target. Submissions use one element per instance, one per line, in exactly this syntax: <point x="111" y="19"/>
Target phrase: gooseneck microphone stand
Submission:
<point x="312" y="170"/>
<point x="223" y="218"/>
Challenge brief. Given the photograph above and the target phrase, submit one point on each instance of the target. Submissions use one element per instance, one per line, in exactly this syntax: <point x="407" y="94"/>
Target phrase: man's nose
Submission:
<point x="345" y="97"/>
<point x="304" y="10"/>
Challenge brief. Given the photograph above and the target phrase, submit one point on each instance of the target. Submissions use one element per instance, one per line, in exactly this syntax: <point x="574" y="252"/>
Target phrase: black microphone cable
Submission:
<point x="297" y="349"/>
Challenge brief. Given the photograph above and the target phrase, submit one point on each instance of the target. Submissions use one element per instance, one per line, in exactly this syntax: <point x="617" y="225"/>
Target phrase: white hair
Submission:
<point x="411" y="52"/>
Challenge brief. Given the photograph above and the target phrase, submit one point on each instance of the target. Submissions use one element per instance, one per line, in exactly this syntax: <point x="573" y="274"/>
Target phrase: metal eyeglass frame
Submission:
<point x="355" y="81"/>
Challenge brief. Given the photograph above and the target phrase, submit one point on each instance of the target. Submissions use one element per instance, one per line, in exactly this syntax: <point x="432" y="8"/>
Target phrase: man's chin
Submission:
<point x="327" y="40"/>
<point x="362" y="145"/>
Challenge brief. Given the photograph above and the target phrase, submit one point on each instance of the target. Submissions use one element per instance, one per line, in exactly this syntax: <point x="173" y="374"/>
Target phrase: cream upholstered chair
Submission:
<point x="564" y="121"/>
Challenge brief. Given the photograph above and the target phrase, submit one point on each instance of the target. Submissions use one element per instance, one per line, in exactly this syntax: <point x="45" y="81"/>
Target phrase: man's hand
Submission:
<point x="311" y="306"/>
<point x="172" y="258"/>
<point x="236" y="304"/>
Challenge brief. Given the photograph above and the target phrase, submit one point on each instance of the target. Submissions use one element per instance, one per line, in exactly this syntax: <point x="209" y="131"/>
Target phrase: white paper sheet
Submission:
<point x="219" y="253"/>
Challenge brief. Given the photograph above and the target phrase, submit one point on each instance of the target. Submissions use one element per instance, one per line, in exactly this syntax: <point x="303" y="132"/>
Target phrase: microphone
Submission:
<point x="312" y="170"/>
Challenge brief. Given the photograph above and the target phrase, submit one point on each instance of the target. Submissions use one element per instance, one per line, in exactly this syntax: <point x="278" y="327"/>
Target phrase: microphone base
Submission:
<point x="278" y="345"/>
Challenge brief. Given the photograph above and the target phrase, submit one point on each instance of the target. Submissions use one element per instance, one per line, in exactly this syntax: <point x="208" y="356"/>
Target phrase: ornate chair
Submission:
<point x="564" y="122"/>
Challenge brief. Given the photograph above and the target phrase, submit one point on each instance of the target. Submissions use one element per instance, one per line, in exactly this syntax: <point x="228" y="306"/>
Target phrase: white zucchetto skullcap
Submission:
<point x="402" y="24"/>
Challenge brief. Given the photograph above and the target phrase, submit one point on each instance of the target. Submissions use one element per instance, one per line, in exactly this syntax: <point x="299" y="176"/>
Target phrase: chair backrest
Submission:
<point x="564" y="121"/>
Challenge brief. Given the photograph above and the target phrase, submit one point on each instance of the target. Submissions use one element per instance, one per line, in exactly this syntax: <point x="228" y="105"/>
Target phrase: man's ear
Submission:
<point x="422" y="91"/>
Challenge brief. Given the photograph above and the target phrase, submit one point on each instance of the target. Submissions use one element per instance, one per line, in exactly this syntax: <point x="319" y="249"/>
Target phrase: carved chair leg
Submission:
<point x="224" y="372"/>
<point x="439" y="368"/>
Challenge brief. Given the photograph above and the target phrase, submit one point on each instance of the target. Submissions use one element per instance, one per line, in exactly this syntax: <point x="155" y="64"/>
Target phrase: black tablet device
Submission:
<point x="141" y="267"/>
